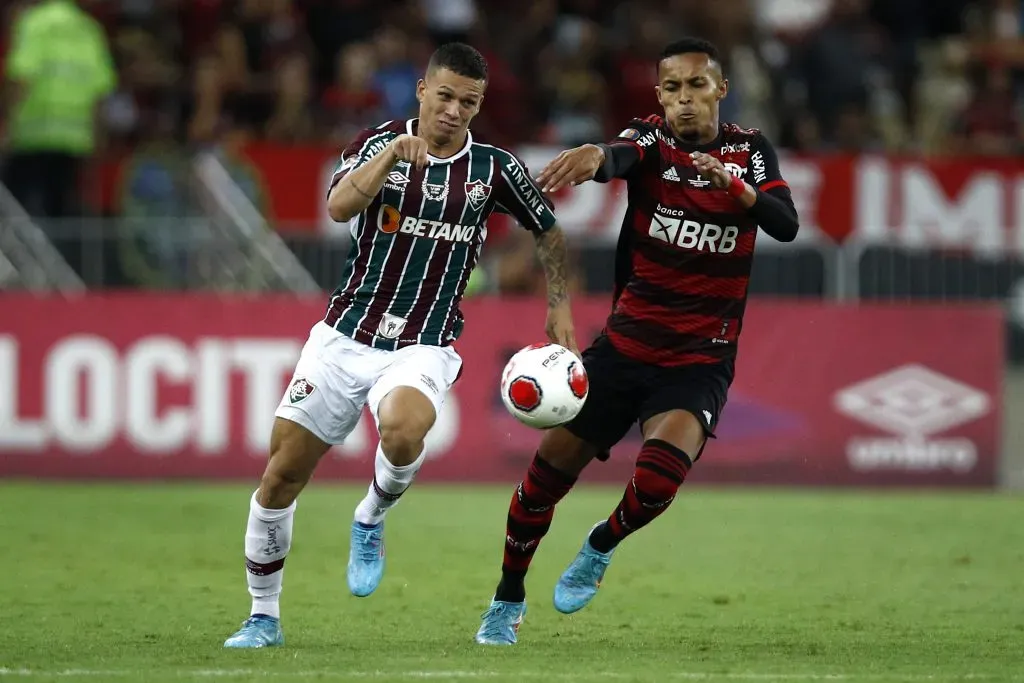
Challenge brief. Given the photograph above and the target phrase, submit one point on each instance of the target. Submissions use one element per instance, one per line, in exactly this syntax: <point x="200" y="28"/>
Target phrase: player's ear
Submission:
<point x="421" y="90"/>
<point x="723" y="89"/>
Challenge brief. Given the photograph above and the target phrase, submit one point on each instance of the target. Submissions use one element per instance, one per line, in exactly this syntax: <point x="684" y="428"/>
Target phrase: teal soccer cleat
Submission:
<point x="259" y="630"/>
<point x="579" y="583"/>
<point x="501" y="623"/>
<point x="365" y="558"/>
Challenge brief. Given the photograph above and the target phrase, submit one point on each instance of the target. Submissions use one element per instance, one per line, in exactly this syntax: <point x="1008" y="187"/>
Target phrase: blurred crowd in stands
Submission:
<point x="155" y="79"/>
<point x="921" y="75"/>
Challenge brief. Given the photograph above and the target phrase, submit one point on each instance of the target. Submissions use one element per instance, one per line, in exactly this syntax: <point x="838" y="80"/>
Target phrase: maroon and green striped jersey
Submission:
<point x="415" y="245"/>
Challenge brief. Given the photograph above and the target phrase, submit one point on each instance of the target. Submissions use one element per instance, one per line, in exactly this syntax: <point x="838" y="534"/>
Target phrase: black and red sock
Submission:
<point x="529" y="518"/>
<point x="660" y="470"/>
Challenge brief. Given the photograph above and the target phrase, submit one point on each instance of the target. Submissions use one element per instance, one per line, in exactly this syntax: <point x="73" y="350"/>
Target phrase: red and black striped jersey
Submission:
<point x="686" y="248"/>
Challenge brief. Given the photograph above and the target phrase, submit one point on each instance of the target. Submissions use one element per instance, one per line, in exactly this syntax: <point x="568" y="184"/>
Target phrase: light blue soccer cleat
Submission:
<point x="579" y="582"/>
<point x="365" y="558"/>
<point x="501" y="623"/>
<point x="259" y="630"/>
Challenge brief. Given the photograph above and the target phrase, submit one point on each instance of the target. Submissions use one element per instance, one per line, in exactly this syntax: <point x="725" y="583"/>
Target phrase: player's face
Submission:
<point x="448" y="102"/>
<point x="690" y="86"/>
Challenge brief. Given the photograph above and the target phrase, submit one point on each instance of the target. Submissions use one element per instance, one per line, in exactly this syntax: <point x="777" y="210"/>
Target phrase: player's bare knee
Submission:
<point x="565" y="451"/>
<point x="402" y="444"/>
<point x="404" y="417"/>
<point x="679" y="428"/>
<point x="294" y="453"/>
<point x="280" y="487"/>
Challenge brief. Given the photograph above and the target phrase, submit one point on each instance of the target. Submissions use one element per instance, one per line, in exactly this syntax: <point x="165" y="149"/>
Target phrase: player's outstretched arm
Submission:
<point x="354" y="192"/>
<point x="554" y="258"/>
<point x="589" y="162"/>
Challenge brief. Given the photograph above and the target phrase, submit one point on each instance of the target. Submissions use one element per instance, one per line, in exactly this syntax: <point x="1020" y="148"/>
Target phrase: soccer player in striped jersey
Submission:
<point x="698" y="191"/>
<point x="417" y="194"/>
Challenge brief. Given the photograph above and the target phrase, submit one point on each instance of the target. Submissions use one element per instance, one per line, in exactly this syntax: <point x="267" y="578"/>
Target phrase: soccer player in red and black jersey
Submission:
<point x="699" y="189"/>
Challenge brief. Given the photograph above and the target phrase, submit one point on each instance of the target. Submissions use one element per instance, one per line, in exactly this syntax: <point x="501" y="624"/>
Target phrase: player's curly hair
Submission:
<point x="461" y="59"/>
<point x="688" y="45"/>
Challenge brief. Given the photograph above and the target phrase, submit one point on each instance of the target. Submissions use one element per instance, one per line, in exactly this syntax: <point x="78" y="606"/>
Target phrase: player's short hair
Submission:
<point x="459" y="58"/>
<point x="690" y="45"/>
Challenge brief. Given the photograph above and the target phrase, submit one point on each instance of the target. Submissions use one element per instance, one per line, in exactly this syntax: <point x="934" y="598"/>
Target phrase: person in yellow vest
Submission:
<point x="58" y="71"/>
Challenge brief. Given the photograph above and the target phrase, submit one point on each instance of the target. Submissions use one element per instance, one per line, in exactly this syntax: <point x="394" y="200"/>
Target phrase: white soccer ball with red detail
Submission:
<point x="544" y="385"/>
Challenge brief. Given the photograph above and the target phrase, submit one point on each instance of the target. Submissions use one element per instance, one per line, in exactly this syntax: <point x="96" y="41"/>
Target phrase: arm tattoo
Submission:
<point x="552" y="254"/>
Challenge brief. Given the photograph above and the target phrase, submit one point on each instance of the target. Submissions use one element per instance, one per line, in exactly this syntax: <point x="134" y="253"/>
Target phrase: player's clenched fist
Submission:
<point x="571" y="167"/>
<point x="712" y="169"/>
<point x="410" y="148"/>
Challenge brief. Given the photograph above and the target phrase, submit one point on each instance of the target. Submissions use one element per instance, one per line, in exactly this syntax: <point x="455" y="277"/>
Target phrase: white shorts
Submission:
<point x="336" y="376"/>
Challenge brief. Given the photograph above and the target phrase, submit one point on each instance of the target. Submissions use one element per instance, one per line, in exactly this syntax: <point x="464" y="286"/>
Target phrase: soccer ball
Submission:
<point x="544" y="385"/>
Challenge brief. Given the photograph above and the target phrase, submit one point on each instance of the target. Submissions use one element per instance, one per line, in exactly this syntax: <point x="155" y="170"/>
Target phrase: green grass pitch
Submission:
<point x="143" y="582"/>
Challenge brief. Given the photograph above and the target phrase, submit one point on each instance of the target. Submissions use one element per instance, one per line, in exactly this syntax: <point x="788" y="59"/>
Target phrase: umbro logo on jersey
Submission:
<point x="671" y="174"/>
<point x="396" y="180"/>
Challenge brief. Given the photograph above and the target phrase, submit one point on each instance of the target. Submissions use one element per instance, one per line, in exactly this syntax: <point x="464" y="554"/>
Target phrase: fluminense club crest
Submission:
<point x="300" y="389"/>
<point x="477" y="193"/>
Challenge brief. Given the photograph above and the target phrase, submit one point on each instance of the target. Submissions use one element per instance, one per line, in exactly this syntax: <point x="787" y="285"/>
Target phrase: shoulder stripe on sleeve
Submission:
<point x="772" y="184"/>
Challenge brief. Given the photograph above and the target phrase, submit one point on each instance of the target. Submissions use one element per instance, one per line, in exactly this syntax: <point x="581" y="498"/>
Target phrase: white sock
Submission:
<point x="389" y="483"/>
<point x="268" y="537"/>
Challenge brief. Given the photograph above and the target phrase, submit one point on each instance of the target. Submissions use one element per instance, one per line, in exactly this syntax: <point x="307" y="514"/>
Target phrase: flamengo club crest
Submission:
<point x="477" y="193"/>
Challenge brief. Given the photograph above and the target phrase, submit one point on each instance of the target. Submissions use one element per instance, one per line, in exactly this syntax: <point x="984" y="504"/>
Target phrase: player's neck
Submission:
<point x="440" y="151"/>
<point x="704" y="137"/>
<point x="445" y="151"/>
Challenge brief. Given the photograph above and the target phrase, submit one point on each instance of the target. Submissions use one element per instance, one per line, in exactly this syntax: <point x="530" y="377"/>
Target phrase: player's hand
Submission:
<point x="410" y="148"/>
<point x="571" y="167"/>
<point x="712" y="169"/>
<point x="559" y="327"/>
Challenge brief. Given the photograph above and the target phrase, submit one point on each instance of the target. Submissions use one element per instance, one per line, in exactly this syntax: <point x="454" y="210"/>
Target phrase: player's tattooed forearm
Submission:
<point x="552" y="254"/>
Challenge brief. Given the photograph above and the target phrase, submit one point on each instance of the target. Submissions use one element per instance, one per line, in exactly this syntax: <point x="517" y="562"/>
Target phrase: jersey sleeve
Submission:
<point x="764" y="166"/>
<point x="360" y="150"/>
<point x="774" y="209"/>
<point x="519" y="196"/>
<point x="641" y="136"/>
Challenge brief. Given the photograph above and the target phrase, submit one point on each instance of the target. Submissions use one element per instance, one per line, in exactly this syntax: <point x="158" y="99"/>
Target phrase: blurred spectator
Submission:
<point x="58" y="70"/>
<point x="291" y="120"/>
<point x="990" y="124"/>
<point x="572" y="83"/>
<point x="935" y="76"/>
<point x="154" y="199"/>
<point x="837" y="64"/>
<point x="449" y="20"/>
<point x="352" y="100"/>
<point x="396" y="75"/>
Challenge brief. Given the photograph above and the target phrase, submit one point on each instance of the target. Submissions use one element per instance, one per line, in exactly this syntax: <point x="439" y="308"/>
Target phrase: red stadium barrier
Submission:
<point x="147" y="385"/>
<point x="957" y="203"/>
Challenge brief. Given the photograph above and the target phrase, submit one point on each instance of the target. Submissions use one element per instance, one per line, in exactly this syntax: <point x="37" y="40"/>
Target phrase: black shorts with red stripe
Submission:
<point x="625" y="391"/>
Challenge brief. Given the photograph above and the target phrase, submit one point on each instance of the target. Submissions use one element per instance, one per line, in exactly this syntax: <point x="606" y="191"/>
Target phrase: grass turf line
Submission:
<point x="144" y="582"/>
